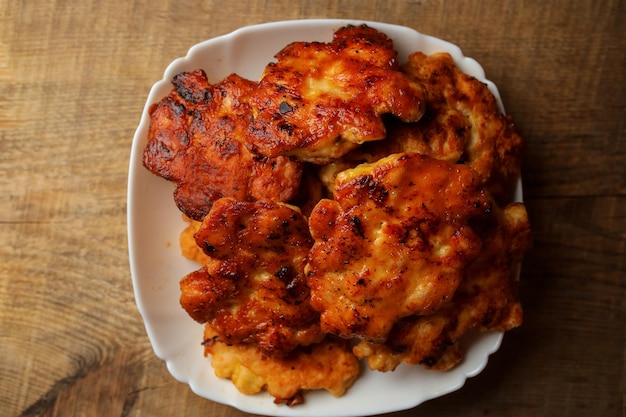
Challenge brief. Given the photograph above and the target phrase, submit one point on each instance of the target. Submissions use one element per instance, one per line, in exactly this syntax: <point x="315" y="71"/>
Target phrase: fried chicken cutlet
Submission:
<point x="461" y="124"/>
<point x="328" y="365"/>
<point x="492" y="144"/>
<point x="320" y="100"/>
<point x="195" y="141"/>
<point x="252" y="289"/>
<point x="486" y="300"/>
<point x="393" y="243"/>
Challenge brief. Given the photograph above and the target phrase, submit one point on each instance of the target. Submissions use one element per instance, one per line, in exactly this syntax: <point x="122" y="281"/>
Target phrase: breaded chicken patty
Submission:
<point x="491" y="143"/>
<point x="486" y="300"/>
<point x="461" y="124"/>
<point x="393" y="243"/>
<point x="195" y="141"/>
<point x="328" y="365"/>
<point x="253" y="289"/>
<point x="320" y="100"/>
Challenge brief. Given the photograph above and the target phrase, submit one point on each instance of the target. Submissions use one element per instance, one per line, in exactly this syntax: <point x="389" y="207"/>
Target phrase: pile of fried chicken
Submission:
<point x="343" y="207"/>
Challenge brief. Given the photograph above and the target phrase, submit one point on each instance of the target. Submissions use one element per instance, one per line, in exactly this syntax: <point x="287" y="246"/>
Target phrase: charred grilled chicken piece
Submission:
<point x="320" y="100"/>
<point x="492" y="144"/>
<point x="393" y="243"/>
<point x="461" y="124"/>
<point x="486" y="300"/>
<point x="195" y="141"/>
<point x="253" y="289"/>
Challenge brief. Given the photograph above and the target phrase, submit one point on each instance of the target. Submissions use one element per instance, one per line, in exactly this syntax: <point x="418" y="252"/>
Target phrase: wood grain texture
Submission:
<point x="74" y="76"/>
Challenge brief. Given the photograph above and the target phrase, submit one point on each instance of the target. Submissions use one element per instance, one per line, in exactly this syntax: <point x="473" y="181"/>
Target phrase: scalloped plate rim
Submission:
<point x="150" y="289"/>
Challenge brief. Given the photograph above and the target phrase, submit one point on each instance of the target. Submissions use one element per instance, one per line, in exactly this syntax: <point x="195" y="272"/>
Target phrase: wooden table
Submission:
<point x="74" y="76"/>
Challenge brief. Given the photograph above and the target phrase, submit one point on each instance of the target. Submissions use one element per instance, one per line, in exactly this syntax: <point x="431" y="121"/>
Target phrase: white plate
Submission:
<point x="154" y="225"/>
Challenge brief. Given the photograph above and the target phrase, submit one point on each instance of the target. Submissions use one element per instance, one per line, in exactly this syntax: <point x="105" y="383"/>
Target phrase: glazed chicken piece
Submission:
<point x="461" y="124"/>
<point x="486" y="300"/>
<point x="393" y="243"/>
<point x="328" y="365"/>
<point x="320" y="100"/>
<point x="253" y="289"/>
<point x="195" y="141"/>
<point x="469" y="114"/>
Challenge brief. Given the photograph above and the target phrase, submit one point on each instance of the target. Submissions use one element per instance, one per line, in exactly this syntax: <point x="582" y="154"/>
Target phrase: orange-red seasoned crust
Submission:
<point x="486" y="300"/>
<point x="195" y="141"/>
<point x="253" y="289"/>
<point x="321" y="100"/>
<point x="392" y="243"/>
<point x="491" y="143"/>
<point x="461" y="124"/>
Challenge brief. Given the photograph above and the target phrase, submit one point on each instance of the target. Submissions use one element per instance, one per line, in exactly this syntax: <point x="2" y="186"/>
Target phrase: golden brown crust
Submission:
<point x="195" y="141"/>
<point x="392" y="243"/>
<point x="461" y="124"/>
<point x="492" y="145"/>
<point x="188" y="246"/>
<point x="320" y="100"/>
<point x="328" y="365"/>
<point x="486" y="300"/>
<point x="253" y="290"/>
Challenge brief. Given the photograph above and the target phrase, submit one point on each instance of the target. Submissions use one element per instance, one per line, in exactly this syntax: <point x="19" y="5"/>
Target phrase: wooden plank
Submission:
<point x="74" y="77"/>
